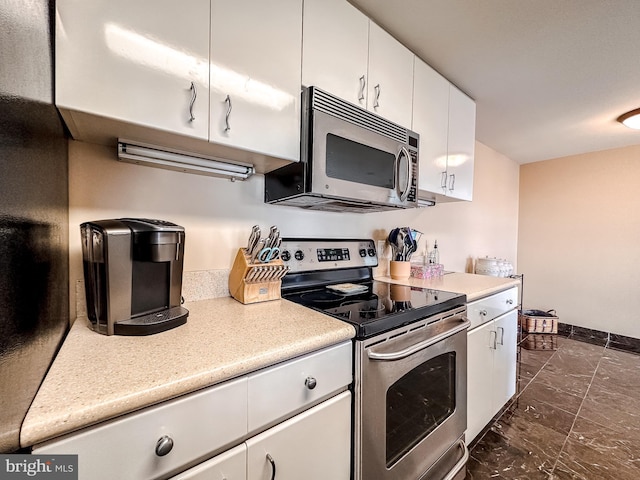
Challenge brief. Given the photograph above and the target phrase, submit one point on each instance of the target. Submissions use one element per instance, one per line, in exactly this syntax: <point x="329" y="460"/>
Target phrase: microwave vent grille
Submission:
<point x="328" y="204"/>
<point x="331" y="105"/>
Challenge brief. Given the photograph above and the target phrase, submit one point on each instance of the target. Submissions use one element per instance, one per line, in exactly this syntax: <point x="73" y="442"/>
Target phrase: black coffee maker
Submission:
<point x="133" y="275"/>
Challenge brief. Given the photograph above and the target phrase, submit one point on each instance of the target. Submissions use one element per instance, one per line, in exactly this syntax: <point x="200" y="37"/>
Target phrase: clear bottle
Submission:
<point x="434" y="255"/>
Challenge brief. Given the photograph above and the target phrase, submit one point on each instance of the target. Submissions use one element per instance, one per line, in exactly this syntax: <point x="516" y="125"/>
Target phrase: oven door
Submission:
<point x="411" y="401"/>
<point x="349" y="161"/>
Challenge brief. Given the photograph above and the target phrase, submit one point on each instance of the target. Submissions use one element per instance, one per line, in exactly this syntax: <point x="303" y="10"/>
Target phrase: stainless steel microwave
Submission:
<point x="351" y="160"/>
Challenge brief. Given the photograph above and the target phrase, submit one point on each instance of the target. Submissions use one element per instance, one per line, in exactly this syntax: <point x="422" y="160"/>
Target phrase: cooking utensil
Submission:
<point x="403" y="243"/>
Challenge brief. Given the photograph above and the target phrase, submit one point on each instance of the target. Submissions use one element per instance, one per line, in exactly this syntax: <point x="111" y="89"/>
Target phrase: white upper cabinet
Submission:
<point x="255" y="75"/>
<point x="135" y="62"/>
<point x="353" y="58"/>
<point x="462" y="137"/>
<point x="445" y="119"/>
<point x="335" y="49"/>
<point x="390" y="81"/>
<point x="431" y="121"/>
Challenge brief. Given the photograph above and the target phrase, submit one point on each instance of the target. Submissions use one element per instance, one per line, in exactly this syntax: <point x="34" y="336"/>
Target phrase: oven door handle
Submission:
<point x="419" y="346"/>
<point x="461" y="463"/>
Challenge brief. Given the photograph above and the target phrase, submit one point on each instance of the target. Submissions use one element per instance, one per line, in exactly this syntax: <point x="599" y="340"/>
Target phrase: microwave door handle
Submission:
<point x="404" y="192"/>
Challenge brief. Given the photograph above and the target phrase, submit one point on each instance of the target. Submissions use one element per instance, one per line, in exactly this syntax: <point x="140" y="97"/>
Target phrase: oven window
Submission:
<point x="355" y="162"/>
<point x="418" y="402"/>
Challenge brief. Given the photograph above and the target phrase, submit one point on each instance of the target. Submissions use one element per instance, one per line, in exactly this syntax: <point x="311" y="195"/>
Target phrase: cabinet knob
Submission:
<point x="164" y="445"/>
<point x="311" y="383"/>
<point x="483" y="313"/>
<point x="509" y="301"/>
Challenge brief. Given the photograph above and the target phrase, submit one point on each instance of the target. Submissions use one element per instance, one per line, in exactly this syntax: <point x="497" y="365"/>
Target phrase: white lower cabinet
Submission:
<point x="314" y="445"/>
<point x="505" y="359"/>
<point x="491" y="369"/>
<point x="230" y="465"/>
<point x="298" y="412"/>
<point x="161" y="439"/>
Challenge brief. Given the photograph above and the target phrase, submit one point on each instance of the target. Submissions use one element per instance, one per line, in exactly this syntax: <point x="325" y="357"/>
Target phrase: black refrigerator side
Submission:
<point x="34" y="212"/>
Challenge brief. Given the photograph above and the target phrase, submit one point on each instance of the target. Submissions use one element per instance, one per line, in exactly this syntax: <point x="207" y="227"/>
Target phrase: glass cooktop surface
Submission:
<point x="382" y="307"/>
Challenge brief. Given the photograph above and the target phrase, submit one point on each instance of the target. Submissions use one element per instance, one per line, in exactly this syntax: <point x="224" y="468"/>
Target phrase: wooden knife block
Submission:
<point x="255" y="282"/>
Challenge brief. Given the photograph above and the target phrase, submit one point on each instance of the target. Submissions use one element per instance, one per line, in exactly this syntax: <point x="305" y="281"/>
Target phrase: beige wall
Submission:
<point x="579" y="238"/>
<point x="218" y="214"/>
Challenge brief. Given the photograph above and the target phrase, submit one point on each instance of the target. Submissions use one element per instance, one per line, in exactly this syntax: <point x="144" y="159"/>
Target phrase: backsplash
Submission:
<point x="199" y="285"/>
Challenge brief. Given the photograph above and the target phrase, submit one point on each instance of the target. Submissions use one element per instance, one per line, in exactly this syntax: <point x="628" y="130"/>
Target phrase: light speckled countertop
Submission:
<point x="95" y="377"/>
<point x="472" y="285"/>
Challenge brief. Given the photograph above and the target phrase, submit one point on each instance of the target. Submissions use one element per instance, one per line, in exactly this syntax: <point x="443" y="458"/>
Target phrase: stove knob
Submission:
<point x="363" y="252"/>
<point x="285" y="256"/>
<point x="372" y="252"/>
<point x="299" y="255"/>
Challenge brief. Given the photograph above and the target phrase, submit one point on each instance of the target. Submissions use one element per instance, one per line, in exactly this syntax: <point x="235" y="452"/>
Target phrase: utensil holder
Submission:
<point x="255" y="282"/>
<point x="399" y="270"/>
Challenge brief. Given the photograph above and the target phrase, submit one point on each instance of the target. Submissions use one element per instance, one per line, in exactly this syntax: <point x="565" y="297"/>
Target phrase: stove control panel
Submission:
<point x="302" y="255"/>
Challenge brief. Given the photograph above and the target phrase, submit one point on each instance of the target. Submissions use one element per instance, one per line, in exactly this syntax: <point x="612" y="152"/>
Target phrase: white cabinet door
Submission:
<point x="314" y="445"/>
<point x="505" y="361"/>
<point x="135" y="62"/>
<point x="479" y="379"/>
<point x="130" y="447"/>
<point x="431" y="121"/>
<point x="255" y="75"/>
<point x="390" y="84"/>
<point x="335" y="49"/>
<point x="445" y="119"/>
<point x="230" y="465"/>
<point x="491" y="368"/>
<point x="461" y="150"/>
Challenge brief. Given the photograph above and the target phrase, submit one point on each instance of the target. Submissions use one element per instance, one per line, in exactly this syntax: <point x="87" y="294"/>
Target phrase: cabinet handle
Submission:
<point x="273" y="466"/>
<point x="452" y="182"/>
<point x="164" y="446"/>
<point x="495" y="340"/>
<point x="194" y="94"/>
<point x="226" y="118"/>
<point x="376" y="104"/>
<point x="311" y="383"/>
<point x="443" y="180"/>
<point x="483" y="313"/>
<point x="509" y="301"/>
<point x="363" y="83"/>
<point x="501" y="335"/>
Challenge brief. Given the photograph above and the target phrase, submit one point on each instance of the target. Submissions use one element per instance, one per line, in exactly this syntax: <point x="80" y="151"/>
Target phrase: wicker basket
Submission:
<point x="537" y="321"/>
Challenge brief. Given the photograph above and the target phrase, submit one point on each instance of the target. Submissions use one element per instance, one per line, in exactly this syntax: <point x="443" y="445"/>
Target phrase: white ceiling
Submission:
<point x="549" y="77"/>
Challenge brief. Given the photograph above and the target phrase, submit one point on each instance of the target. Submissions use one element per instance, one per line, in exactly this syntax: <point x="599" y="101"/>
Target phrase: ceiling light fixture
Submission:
<point x="153" y="156"/>
<point x="631" y="119"/>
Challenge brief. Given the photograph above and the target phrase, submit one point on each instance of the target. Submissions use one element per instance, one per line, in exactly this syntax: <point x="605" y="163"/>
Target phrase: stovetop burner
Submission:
<point x="320" y="296"/>
<point x="315" y="264"/>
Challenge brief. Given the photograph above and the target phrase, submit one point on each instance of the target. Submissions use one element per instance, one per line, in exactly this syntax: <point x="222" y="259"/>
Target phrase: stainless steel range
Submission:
<point x="410" y="359"/>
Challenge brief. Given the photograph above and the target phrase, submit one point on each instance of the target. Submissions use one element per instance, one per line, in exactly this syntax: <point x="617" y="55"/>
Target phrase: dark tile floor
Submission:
<point x="576" y="415"/>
